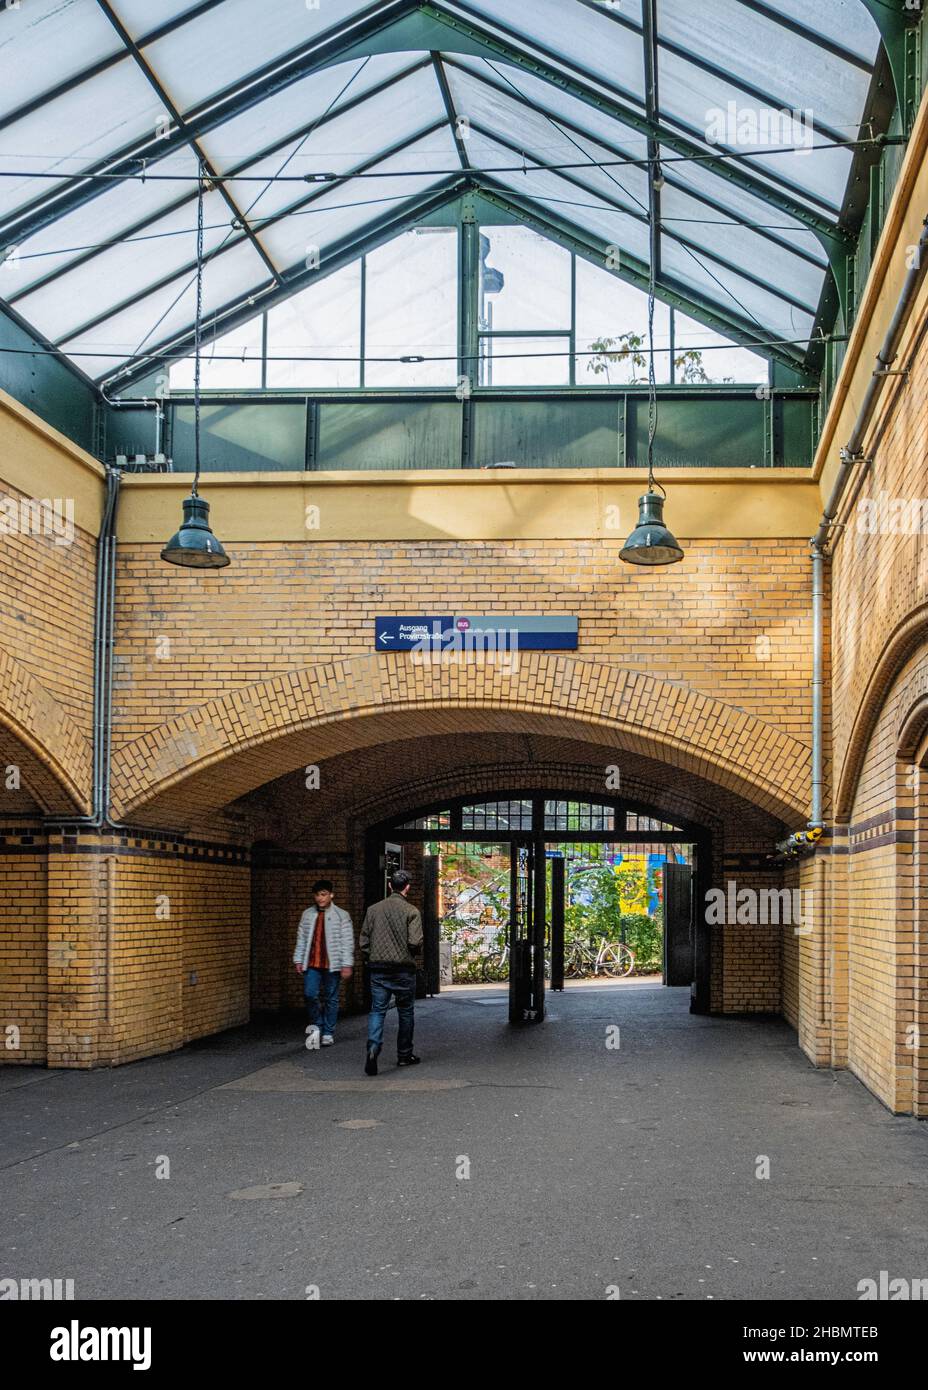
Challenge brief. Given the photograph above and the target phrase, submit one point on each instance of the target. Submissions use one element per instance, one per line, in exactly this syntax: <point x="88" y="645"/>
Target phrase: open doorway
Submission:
<point x="534" y="891"/>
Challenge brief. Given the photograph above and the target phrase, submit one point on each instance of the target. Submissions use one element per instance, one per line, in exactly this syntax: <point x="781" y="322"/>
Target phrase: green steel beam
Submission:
<point x="506" y="88"/>
<point x="333" y="395"/>
<point x="468" y="324"/>
<point x="442" y="80"/>
<point x="620" y="109"/>
<point x="652" y="108"/>
<point x="264" y="153"/>
<point x="896" y="22"/>
<point x="335" y="46"/>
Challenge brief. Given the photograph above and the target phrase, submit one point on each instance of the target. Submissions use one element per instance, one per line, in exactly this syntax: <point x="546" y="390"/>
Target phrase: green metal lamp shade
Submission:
<point x="194" y="545"/>
<point x="651" y="543"/>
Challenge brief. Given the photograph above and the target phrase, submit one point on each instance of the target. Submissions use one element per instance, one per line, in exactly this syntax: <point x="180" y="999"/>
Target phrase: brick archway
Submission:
<point x="905" y="639"/>
<point x="39" y="735"/>
<point x="214" y="754"/>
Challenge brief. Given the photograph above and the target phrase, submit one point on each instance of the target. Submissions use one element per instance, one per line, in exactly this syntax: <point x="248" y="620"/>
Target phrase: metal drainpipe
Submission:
<point x="104" y="594"/>
<point x="818" y="589"/>
<point x="852" y="454"/>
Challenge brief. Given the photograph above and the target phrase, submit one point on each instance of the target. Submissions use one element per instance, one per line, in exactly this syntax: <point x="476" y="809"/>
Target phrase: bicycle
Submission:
<point x="467" y="957"/>
<point x="496" y="965"/>
<point x="496" y="962"/>
<point x="613" y="958"/>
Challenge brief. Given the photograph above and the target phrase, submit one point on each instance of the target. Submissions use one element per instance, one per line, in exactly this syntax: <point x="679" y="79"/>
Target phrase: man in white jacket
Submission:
<point x="324" y="956"/>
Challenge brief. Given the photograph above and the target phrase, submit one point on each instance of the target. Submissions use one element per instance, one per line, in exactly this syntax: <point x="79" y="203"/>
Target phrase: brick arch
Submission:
<point x="38" y="734"/>
<point x="210" y="756"/>
<point x="574" y="780"/>
<point x="897" y="650"/>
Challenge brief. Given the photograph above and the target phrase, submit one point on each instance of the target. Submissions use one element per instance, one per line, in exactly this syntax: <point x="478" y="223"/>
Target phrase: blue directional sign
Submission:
<point x="471" y="632"/>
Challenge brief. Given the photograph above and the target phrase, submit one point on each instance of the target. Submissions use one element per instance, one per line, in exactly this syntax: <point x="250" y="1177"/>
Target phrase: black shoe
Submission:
<point x="411" y="1061"/>
<point x="370" y="1064"/>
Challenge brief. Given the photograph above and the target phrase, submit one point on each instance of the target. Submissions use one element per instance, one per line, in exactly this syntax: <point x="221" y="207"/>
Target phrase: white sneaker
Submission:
<point x="312" y="1037"/>
<point x="327" y="1040"/>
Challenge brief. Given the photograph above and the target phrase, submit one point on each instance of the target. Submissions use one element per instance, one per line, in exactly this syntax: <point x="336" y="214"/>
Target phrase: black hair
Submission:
<point x="322" y="885"/>
<point x="399" y="880"/>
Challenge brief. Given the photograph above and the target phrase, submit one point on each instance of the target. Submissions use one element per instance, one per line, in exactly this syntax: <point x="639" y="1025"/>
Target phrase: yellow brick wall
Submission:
<point x="879" y="674"/>
<point x="23" y="944"/>
<point x="130" y="922"/>
<point x="731" y="621"/>
<point x="46" y="618"/>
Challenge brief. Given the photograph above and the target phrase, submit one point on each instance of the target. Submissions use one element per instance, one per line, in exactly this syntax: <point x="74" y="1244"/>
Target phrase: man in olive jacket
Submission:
<point x="391" y="939"/>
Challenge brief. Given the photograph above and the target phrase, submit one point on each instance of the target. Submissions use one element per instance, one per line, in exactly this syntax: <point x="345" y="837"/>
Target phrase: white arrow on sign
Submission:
<point x="385" y="637"/>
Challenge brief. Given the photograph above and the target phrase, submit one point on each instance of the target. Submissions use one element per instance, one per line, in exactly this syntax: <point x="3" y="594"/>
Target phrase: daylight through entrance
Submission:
<point x="536" y="891"/>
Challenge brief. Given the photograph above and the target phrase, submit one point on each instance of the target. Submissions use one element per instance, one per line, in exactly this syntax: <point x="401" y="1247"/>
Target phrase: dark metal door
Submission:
<point x="539" y="931"/>
<point x="678" y="924"/>
<point x="521" y="918"/>
<point x="430" y="924"/>
<point x="558" y="898"/>
<point x="527" y="926"/>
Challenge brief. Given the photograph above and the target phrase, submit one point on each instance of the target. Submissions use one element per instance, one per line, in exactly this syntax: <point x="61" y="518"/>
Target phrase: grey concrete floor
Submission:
<point x="590" y="1167"/>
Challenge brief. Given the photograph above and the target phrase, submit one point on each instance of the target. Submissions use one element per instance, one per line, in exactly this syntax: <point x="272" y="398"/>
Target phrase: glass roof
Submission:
<point x="321" y="126"/>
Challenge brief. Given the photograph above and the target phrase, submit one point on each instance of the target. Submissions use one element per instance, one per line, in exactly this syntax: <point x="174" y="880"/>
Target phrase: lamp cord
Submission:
<point x="194" y="491"/>
<point x="652" y="384"/>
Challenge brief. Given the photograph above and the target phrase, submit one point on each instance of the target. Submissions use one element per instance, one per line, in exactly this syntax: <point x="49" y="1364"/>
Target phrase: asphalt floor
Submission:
<point x="624" y="1146"/>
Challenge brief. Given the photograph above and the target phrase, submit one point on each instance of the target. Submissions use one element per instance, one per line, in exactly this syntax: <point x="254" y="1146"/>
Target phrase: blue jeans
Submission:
<point x="386" y="981"/>
<point x="320" y="990"/>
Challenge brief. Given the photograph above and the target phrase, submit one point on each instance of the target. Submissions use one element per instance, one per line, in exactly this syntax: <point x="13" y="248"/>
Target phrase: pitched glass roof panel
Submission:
<point x="771" y="58"/>
<point x="169" y="311"/>
<point x="699" y="179"/>
<point x="139" y="18"/>
<point x="298" y="107"/>
<point x="61" y="306"/>
<point x="733" y="294"/>
<point x="347" y="210"/>
<point x="574" y="36"/>
<point x="107" y="216"/>
<point x="688" y="219"/>
<point x="558" y="103"/>
<point x="44" y="42"/>
<point x="68" y="135"/>
<point x="722" y="113"/>
<point x="221" y="47"/>
<point x="349" y="140"/>
<point x="542" y="139"/>
<point x="844" y="22"/>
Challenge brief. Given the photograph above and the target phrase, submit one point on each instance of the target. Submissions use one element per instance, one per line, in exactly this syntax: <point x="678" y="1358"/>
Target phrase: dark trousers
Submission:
<point x="387" y="981"/>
